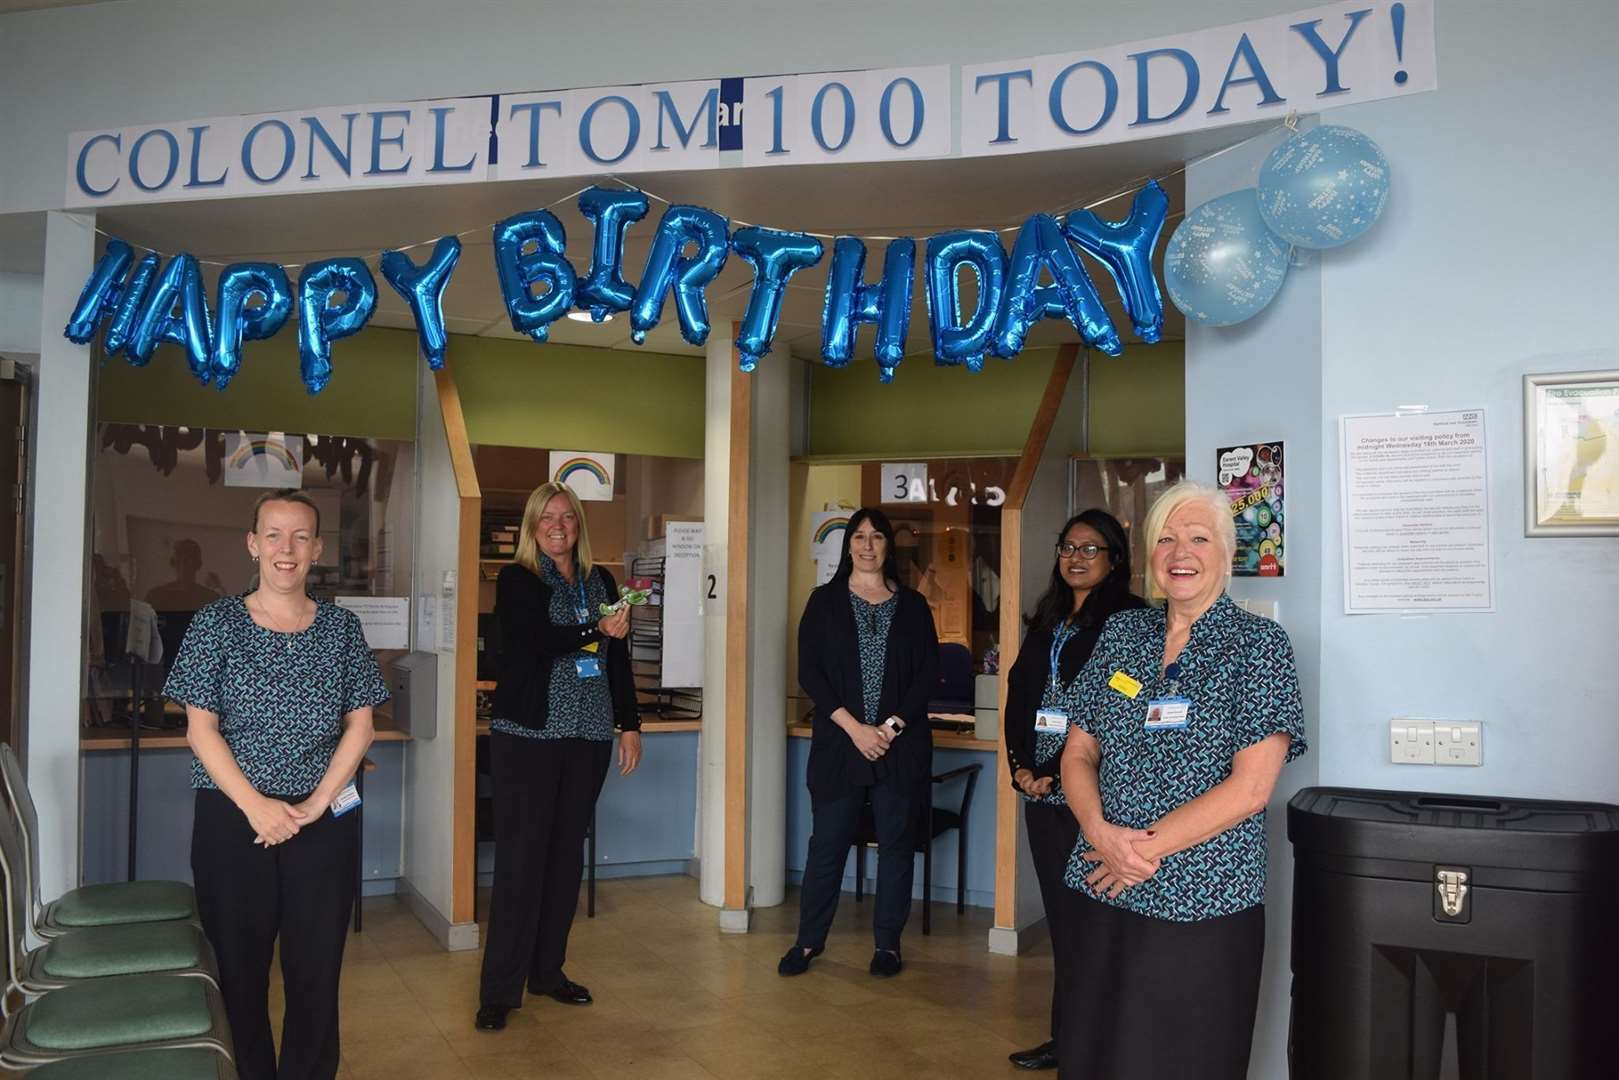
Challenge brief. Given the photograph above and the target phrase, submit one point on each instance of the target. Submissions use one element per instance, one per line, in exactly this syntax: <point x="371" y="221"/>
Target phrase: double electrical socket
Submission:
<point x="1435" y="742"/>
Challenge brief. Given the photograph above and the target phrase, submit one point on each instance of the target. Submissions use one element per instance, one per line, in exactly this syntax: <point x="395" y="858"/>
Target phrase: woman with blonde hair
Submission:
<point x="563" y="685"/>
<point x="1180" y="725"/>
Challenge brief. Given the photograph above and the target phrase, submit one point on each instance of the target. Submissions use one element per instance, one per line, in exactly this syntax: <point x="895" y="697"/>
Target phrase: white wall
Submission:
<point x="21" y="301"/>
<point x="430" y="763"/>
<point x="1495" y="258"/>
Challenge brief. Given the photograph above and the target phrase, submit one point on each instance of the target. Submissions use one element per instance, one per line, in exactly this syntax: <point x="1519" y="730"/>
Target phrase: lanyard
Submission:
<point x="1172" y="673"/>
<point x="1059" y="638"/>
<point x="582" y="609"/>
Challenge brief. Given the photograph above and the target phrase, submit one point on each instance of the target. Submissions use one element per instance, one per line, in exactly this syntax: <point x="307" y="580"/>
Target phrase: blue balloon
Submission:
<point x="423" y="289"/>
<point x="955" y="341"/>
<point x="667" y="268"/>
<point x="611" y="211"/>
<point x="1323" y="187"/>
<point x="130" y="302"/>
<point x="1223" y="265"/>
<point x="99" y="297"/>
<point x="320" y="324"/>
<point x="238" y="322"/>
<point x="1042" y="246"/>
<point x="775" y="256"/>
<point x="850" y="302"/>
<point x="519" y="272"/>
<point x="191" y="327"/>
<point x="1125" y="248"/>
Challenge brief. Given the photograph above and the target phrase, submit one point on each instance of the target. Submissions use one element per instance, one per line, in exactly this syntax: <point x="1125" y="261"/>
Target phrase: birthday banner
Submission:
<point x="1341" y="54"/>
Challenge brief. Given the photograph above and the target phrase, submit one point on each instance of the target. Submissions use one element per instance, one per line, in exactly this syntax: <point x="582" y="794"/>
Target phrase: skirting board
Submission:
<point x="455" y="937"/>
<point x="1005" y="941"/>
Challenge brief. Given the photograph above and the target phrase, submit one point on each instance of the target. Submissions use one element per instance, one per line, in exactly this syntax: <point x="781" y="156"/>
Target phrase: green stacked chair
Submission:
<point x="140" y="1065"/>
<point x="103" y="997"/>
<point x="97" y="952"/>
<point x="88" y="905"/>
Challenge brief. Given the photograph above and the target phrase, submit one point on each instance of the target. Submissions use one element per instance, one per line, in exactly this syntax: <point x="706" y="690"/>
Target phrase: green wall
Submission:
<point x="514" y="393"/>
<point x="1138" y="403"/>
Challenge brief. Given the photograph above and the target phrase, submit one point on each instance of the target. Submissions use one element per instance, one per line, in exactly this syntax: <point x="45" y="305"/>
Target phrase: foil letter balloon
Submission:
<point x="612" y="211"/>
<point x="320" y="324"/>
<point x="1042" y="246"/>
<point x="423" y="289"/>
<point x="775" y="256"/>
<point x="956" y="341"/>
<point x="238" y="322"/>
<point x="1125" y="248"/>
<point x="667" y="268"/>
<point x="101" y="292"/>
<point x="850" y="301"/>
<point x="175" y="312"/>
<point x="130" y="304"/>
<point x="519" y="271"/>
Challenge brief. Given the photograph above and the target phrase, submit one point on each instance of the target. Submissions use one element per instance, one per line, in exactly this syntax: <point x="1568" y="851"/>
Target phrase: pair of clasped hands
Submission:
<point x="873" y="740"/>
<point x="1119" y="862"/>
<point x="275" y="822"/>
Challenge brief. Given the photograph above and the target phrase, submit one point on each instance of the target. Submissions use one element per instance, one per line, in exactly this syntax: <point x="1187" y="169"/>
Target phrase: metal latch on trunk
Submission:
<point x="1451" y="885"/>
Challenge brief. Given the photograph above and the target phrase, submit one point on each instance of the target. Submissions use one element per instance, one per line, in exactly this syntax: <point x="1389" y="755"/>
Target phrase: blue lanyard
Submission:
<point x="583" y="608"/>
<point x="1059" y="638"/>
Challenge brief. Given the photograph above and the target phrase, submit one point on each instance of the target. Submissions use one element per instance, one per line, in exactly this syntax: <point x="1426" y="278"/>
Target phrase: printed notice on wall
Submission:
<point x="1416" y="513"/>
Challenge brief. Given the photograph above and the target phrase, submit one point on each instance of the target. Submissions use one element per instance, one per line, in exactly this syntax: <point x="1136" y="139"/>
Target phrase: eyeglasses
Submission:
<point x="1084" y="551"/>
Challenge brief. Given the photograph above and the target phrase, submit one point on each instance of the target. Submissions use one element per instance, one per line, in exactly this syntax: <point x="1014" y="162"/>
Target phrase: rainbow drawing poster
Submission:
<point x="590" y="475"/>
<point x="266" y="459"/>
<point x="826" y="541"/>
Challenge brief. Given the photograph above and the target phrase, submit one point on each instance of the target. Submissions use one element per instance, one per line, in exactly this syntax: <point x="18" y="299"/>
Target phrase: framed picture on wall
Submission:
<point x="1571" y="454"/>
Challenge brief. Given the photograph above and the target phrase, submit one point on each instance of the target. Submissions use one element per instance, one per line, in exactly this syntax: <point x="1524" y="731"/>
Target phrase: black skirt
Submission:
<point x="1153" y="999"/>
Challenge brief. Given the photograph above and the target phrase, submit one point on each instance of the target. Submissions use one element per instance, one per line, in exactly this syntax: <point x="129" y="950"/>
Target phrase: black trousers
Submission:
<point x="896" y="811"/>
<point x="544" y="792"/>
<point x="1053" y="832"/>
<point x="1152" y="999"/>
<point x="302" y="891"/>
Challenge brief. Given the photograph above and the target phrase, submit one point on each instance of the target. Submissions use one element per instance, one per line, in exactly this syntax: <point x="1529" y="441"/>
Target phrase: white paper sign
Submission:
<point x="589" y="475"/>
<point x="266" y="459"/>
<point x="826" y="541"/>
<point x="385" y="619"/>
<point x="904" y="482"/>
<point x="1416" y="513"/>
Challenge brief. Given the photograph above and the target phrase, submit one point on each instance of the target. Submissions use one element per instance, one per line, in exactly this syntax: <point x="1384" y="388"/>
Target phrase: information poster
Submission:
<point x="1251" y="477"/>
<point x="1416" y="513"/>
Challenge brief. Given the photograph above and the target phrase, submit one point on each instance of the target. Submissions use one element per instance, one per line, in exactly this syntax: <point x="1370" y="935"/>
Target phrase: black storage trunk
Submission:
<point x="1409" y="906"/>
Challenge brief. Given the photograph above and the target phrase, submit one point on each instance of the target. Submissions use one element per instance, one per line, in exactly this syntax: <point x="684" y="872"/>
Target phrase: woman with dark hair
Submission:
<point x="1090" y="580"/>
<point x="867" y="656"/>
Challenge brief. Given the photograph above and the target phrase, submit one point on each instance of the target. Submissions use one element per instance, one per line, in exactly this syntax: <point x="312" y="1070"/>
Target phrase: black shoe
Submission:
<point x="885" y="963"/>
<point x="1043" y="1056"/>
<point x="492" y="1017"/>
<point x="570" y="993"/>
<point x="797" y="960"/>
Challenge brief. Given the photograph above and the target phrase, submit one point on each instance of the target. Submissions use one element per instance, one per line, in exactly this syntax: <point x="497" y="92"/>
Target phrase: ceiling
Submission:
<point x="890" y="199"/>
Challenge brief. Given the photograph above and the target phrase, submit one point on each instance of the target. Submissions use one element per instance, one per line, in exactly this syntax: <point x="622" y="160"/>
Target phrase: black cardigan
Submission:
<point x="1026" y="684"/>
<point x="829" y="672"/>
<point x="530" y="643"/>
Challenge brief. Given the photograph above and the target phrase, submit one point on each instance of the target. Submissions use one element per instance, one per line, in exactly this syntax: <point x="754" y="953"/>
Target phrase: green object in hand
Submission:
<point x="627" y="597"/>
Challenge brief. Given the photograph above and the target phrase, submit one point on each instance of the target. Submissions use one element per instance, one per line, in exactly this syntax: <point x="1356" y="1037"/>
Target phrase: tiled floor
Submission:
<point x="678" y="1000"/>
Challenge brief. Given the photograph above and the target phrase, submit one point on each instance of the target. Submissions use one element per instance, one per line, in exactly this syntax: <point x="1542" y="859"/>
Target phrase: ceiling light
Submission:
<point x="585" y="316"/>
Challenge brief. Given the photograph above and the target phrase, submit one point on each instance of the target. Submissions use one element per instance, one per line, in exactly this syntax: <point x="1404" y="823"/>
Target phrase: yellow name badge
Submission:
<point x="595" y="644"/>
<point x="1124" y="684"/>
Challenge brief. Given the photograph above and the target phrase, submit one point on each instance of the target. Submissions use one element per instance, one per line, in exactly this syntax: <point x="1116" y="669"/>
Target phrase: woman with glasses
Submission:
<point x="868" y="658"/>
<point x="1090" y="580"/>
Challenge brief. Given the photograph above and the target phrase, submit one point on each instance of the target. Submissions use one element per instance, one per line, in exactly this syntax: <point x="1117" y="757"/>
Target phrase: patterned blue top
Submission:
<point x="872" y="622"/>
<point x="1237" y="670"/>
<point x="579" y="708"/>
<point x="1049" y="744"/>
<point x="280" y="698"/>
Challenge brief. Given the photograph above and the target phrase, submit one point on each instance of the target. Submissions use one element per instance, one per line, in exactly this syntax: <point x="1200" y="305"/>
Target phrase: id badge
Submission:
<point x="1168" y="713"/>
<point x="1053" y="721"/>
<point x="346" y="800"/>
<point x="587" y="667"/>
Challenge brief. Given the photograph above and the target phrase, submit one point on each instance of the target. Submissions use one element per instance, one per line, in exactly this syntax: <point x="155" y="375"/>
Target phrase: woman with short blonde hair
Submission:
<point x="1181" y="724"/>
